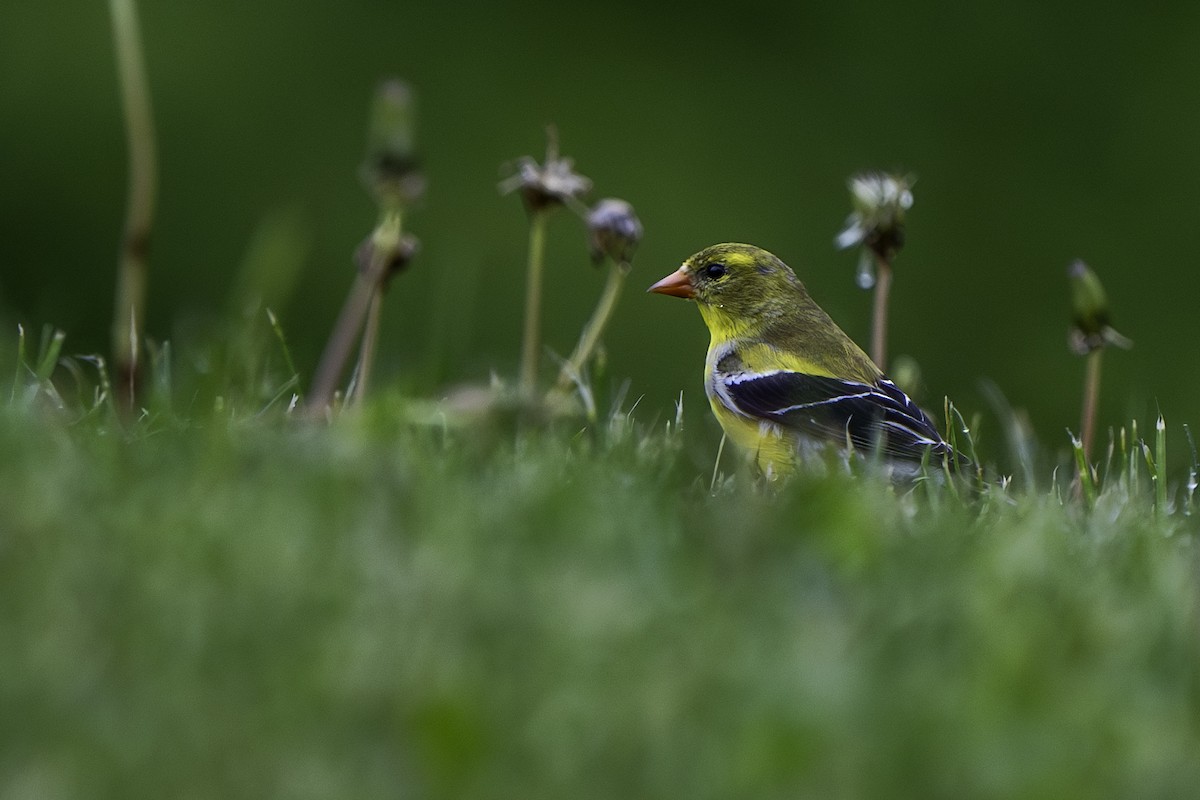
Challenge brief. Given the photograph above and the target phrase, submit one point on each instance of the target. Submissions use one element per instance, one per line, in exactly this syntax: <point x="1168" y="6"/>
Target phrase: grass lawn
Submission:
<point x="229" y="604"/>
<point x="214" y="593"/>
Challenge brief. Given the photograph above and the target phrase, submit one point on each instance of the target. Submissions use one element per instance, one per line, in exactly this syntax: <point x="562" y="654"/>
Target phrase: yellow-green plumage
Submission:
<point x="780" y="372"/>
<point x="761" y="303"/>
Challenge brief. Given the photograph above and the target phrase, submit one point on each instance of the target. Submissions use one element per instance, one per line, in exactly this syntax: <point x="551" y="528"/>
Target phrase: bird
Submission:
<point x="782" y="378"/>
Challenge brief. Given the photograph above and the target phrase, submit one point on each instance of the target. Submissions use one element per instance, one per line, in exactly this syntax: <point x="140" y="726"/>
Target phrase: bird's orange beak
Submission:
<point x="677" y="284"/>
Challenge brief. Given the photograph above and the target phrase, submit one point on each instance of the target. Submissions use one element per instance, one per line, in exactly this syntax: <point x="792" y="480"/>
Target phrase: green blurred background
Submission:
<point x="1038" y="134"/>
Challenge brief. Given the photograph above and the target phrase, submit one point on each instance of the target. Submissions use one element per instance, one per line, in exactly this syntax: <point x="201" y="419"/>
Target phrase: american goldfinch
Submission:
<point x="781" y="375"/>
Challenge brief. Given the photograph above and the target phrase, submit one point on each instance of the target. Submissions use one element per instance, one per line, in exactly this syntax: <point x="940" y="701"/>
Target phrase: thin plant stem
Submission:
<point x="1190" y="486"/>
<point x="1091" y="394"/>
<point x="595" y="326"/>
<point x="531" y="341"/>
<point x="883" y="287"/>
<point x="287" y="353"/>
<point x="1160" y="466"/>
<point x="384" y="242"/>
<point x="1085" y="484"/>
<point x="19" y="374"/>
<point x="712" y="484"/>
<point x="366" y="348"/>
<point x="337" y="349"/>
<point x="387" y="235"/>
<point x="129" y="316"/>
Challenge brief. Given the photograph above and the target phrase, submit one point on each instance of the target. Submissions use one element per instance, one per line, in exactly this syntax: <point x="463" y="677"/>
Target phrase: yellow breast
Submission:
<point x="771" y="447"/>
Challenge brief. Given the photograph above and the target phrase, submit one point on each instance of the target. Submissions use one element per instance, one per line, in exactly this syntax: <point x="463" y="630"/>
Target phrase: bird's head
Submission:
<point x="733" y="283"/>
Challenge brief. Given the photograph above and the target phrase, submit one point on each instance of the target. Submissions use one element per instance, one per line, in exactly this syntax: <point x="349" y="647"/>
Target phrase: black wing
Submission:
<point x="870" y="415"/>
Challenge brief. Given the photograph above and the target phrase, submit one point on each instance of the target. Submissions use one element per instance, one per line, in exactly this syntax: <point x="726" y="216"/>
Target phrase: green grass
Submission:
<point x="234" y="604"/>
<point x="220" y="597"/>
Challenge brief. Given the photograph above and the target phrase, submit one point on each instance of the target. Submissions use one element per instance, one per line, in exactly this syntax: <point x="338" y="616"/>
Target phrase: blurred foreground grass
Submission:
<point x="251" y="608"/>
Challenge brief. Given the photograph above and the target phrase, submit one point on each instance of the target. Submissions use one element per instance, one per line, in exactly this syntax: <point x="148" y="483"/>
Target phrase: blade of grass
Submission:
<point x="1108" y="458"/>
<point x="951" y="476"/>
<point x="970" y="451"/>
<point x="161" y="377"/>
<point x="1016" y="432"/>
<point x="1083" y="472"/>
<point x="49" y="351"/>
<point x="1160" y="458"/>
<point x="926" y="478"/>
<point x="105" y="396"/>
<point x="1134" y="472"/>
<point x="712" y="484"/>
<point x="284" y="349"/>
<point x="288" y="385"/>
<point x="1151" y="468"/>
<point x="1192" y="471"/>
<point x="20" y="363"/>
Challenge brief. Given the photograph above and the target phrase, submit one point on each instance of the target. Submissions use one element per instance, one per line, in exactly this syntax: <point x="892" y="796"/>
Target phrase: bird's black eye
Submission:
<point x="716" y="270"/>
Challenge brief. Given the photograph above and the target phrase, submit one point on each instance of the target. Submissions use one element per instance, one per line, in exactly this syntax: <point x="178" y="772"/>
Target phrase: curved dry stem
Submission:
<point x="384" y="241"/>
<point x="366" y="349"/>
